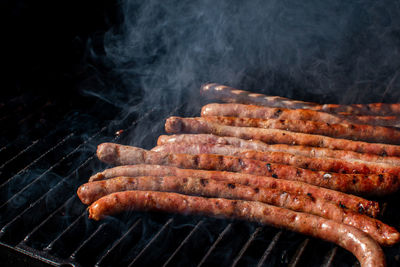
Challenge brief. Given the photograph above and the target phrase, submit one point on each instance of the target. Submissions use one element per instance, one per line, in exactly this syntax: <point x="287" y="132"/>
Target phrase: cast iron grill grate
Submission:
<point x="45" y="159"/>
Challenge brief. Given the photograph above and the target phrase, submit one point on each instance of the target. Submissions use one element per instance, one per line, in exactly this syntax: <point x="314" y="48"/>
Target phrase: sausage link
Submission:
<point x="380" y="109"/>
<point x="355" y="203"/>
<point x="360" y="184"/>
<point x="229" y="94"/>
<point x="199" y="125"/>
<point x="319" y="164"/>
<point x="317" y="152"/>
<point x="252" y="111"/>
<point x="361" y="132"/>
<point x="365" y="249"/>
<point x="382" y="233"/>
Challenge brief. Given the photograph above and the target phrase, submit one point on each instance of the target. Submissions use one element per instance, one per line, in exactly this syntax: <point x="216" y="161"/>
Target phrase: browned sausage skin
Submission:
<point x="307" y="151"/>
<point x="252" y="111"/>
<point x="229" y="94"/>
<point x="382" y="233"/>
<point x="320" y="164"/>
<point x="355" y="203"/>
<point x="361" y="184"/>
<point x="274" y="136"/>
<point x="367" y="251"/>
<point x="360" y="132"/>
<point x="371" y="184"/>
<point x="350" y="201"/>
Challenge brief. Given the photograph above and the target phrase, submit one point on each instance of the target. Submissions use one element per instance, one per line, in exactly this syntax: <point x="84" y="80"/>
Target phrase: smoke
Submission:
<point x="342" y="51"/>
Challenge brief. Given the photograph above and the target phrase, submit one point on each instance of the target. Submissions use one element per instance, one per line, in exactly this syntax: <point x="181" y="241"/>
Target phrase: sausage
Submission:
<point x="200" y="125"/>
<point x="261" y="146"/>
<point x="319" y="164"/>
<point x="359" y="184"/>
<point x="366" y="250"/>
<point x="380" y="109"/>
<point x="368" y="133"/>
<point x="355" y="203"/>
<point x="229" y="94"/>
<point x="252" y="111"/>
<point x="382" y="233"/>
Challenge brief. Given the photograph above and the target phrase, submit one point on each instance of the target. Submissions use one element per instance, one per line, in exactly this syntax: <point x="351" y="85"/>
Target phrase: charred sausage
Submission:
<point x="361" y="132"/>
<point x="361" y="184"/>
<point x="382" y="233"/>
<point x="307" y="151"/>
<point x="273" y="136"/>
<point x="355" y="203"/>
<point x="366" y="250"/>
<point x="319" y="164"/>
<point x="252" y="111"/>
<point x="229" y="94"/>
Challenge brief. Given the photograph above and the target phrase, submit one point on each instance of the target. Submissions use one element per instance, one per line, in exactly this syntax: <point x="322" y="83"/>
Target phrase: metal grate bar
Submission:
<point x="383" y="209"/>
<point x="246" y="246"/>
<point x="197" y="226"/>
<point x="50" y="246"/>
<point x="155" y="237"/>
<point x="117" y="242"/>
<point x="269" y="248"/>
<point x="66" y="203"/>
<point x="330" y="257"/>
<point x="37" y="159"/>
<point x="50" y="169"/>
<point x="220" y="237"/>
<point x="296" y="258"/>
<point x="87" y="240"/>
<point x="5" y="228"/>
<point x="18" y="154"/>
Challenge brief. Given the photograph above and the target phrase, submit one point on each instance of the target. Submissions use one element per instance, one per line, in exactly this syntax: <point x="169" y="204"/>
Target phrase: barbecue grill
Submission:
<point x="47" y="150"/>
<point x="42" y="217"/>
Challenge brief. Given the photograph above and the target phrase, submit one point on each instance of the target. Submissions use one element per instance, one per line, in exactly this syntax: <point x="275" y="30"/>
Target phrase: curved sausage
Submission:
<point x="355" y="203"/>
<point x="382" y="233"/>
<point x="366" y="250"/>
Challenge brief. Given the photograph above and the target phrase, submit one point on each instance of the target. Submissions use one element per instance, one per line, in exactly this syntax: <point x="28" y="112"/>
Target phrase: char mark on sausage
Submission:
<point x="366" y="250"/>
<point x="274" y="136"/>
<point x="355" y="203"/>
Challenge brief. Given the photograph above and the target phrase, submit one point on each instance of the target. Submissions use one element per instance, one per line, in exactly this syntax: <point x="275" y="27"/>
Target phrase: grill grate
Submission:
<point x="42" y="217"/>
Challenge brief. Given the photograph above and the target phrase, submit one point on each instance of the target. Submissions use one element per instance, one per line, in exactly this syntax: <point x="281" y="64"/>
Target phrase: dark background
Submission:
<point x="44" y="44"/>
<point x="56" y="48"/>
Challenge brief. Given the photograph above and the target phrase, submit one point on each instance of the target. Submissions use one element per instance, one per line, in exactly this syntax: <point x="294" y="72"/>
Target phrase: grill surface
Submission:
<point x="44" y="160"/>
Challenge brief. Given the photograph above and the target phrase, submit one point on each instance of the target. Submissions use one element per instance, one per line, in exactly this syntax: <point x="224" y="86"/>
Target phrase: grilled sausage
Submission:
<point x="367" y="251"/>
<point x="229" y="94"/>
<point x="358" y="184"/>
<point x="360" y="132"/>
<point x="252" y="111"/>
<point x="319" y="164"/>
<point x="382" y="233"/>
<point x="261" y="146"/>
<point x="200" y="125"/>
<point x="355" y="203"/>
<point x="380" y="109"/>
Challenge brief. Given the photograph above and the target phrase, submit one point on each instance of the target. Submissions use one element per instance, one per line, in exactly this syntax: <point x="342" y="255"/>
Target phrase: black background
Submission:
<point x="44" y="44"/>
